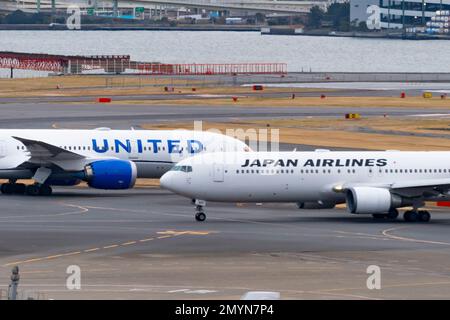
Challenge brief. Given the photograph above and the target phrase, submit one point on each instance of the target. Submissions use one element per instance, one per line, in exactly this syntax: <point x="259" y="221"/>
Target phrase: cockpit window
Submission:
<point x="182" y="168"/>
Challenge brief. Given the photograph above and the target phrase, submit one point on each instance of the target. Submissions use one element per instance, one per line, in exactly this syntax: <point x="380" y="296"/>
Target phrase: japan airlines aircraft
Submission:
<point x="106" y="159"/>
<point x="376" y="183"/>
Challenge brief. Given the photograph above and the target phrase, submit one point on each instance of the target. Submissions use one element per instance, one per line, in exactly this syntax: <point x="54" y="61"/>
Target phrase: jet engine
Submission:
<point x="111" y="174"/>
<point x="316" y="205"/>
<point x="371" y="200"/>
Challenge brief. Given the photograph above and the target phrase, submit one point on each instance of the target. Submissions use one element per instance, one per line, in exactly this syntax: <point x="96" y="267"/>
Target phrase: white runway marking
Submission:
<point x="391" y="236"/>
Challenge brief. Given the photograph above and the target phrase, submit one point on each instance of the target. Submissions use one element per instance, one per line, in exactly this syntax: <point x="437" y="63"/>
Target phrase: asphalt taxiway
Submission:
<point x="145" y="244"/>
<point x="124" y="116"/>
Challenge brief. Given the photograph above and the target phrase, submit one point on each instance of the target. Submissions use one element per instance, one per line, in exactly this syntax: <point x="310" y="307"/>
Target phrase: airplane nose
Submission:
<point x="165" y="181"/>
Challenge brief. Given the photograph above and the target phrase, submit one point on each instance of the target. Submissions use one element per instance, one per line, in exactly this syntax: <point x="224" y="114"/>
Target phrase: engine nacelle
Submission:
<point x="316" y="205"/>
<point x="111" y="174"/>
<point x="371" y="200"/>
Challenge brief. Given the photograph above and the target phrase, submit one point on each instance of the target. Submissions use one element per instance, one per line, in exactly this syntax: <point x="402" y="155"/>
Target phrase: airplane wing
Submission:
<point x="44" y="154"/>
<point x="412" y="188"/>
<point x="41" y="151"/>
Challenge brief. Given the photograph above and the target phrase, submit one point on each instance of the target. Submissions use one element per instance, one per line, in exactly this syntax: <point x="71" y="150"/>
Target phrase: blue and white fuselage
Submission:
<point x="108" y="159"/>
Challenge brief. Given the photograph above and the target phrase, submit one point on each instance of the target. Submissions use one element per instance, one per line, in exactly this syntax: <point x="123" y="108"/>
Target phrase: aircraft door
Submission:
<point x="3" y="150"/>
<point x="218" y="173"/>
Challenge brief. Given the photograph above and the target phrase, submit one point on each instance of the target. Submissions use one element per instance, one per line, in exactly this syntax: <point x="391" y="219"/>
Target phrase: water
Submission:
<point x="299" y="52"/>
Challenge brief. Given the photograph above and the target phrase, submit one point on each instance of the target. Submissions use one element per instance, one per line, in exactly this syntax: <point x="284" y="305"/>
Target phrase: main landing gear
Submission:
<point x="199" y="212"/>
<point x="416" y="215"/>
<point x="20" y="188"/>
<point x="391" y="215"/>
<point x="409" y="216"/>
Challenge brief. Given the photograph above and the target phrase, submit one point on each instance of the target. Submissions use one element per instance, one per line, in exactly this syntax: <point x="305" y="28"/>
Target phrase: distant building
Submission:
<point x="395" y="14"/>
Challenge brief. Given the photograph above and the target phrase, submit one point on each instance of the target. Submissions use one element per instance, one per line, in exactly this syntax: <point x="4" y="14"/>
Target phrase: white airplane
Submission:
<point x="376" y="183"/>
<point x="106" y="159"/>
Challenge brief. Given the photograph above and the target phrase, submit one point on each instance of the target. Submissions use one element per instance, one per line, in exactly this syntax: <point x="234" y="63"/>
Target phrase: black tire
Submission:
<point x="20" y="188"/>
<point x="393" y="214"/>
<point x="378" y="216"/>
<point x="45" y="190"/>
<point x="33" y="190"/>
<point x="413" y="216"/>
<point x="424" y="216"/>
<point x="200" y="216"/>
<point x="7" y="188"/>
<point x="2" y="188"/>
<point x="406" y="216"/>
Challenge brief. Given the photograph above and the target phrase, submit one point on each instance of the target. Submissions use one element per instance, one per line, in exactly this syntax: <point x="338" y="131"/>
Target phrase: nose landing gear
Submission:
<point x="199" y="212"/>
<point x="200" y="216"/>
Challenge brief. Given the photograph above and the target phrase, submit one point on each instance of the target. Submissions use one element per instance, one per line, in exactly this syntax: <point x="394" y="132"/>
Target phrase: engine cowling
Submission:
<point x="371" y="200"/>
<point x="316" y="205"/>
<point x="111" y="174"/>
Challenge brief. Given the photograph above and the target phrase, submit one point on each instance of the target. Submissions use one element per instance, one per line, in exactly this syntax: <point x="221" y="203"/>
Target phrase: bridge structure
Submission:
<point x="117" y="64"/>
<point x="262" y="6"/>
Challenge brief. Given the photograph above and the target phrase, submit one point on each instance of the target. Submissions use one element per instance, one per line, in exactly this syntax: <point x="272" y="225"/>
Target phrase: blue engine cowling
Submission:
<point x="111" y="174"/>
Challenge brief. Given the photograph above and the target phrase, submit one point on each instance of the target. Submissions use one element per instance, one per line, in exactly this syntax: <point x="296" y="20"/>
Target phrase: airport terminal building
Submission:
<point x="398" y="14"/>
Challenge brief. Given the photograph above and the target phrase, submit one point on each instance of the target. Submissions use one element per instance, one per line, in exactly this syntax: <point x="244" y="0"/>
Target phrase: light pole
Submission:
<point x="423" y="11"/>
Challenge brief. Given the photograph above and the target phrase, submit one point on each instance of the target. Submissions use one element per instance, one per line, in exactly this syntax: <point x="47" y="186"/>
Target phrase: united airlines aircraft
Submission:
<point x="376" y="183"/>
<point x="105" y="159"/>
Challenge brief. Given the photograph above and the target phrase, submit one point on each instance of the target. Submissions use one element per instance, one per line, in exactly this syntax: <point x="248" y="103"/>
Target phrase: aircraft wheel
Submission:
<point x="7" y="188"/>
<point x="411" y="216"/>
<point x="378" y="216"/>
<point x="424" y="216"/>
<point x="392" y="214"/>
<point x="45" y="190"/>
<point x="200" y="216"/>
<point x="19" y="188"/>
<point x="33" y="190"/>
